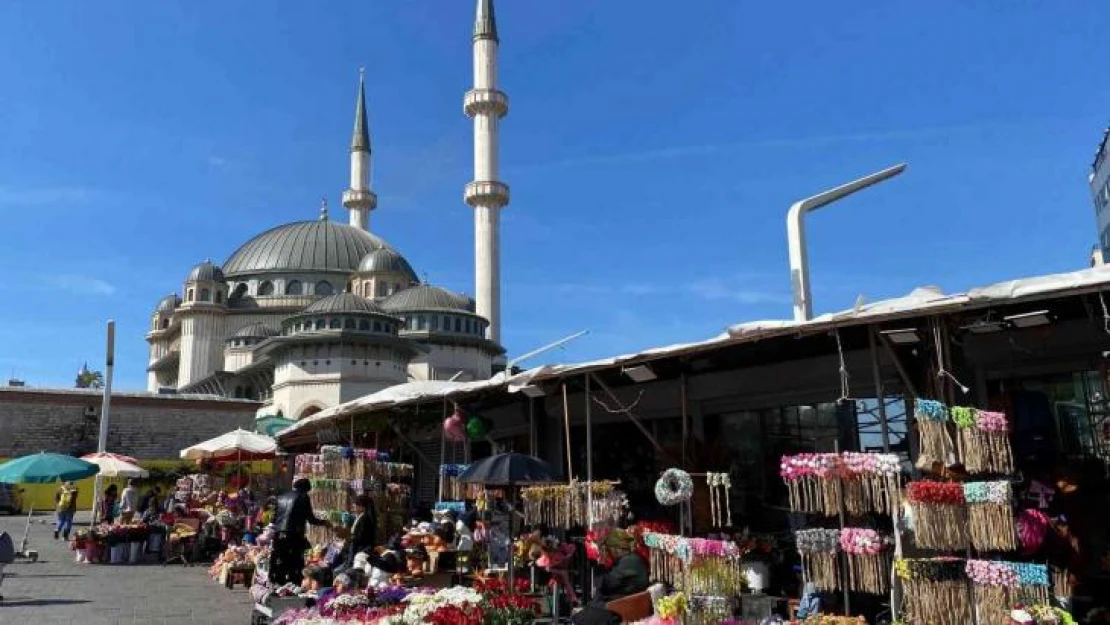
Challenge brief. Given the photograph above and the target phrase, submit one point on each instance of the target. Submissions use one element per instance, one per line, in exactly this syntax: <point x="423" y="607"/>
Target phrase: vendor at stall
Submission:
<point x="364" y="529"/>
<point x="293" y="512"/>
<point x="629" y="573"/>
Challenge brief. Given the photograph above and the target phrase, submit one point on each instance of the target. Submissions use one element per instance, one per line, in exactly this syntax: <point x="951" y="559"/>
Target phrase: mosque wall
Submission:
<point x="146" y="426"/>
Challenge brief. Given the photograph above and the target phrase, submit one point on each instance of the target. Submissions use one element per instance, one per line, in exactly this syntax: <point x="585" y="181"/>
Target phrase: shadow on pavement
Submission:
<point x="41" y="602"/>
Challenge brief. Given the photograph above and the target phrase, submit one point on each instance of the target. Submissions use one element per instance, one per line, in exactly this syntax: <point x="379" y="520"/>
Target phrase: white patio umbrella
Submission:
<point x="238" y="445"/>
<point x="114" y="465"/>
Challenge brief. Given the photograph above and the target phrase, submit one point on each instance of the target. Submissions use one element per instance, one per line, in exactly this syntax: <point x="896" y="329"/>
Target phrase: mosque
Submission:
<point x="310" y="314"/>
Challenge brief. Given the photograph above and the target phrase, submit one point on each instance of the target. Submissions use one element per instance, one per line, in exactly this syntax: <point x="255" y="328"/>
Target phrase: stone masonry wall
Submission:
<point x="151" y="427"/>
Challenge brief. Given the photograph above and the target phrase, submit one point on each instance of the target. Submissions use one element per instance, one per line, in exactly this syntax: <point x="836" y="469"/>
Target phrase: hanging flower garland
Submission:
<point x="674" y="487"/>
<point x="565" y="505"/>
<point x="699" y="565"/>
<point x="991" y="517"/>
<point x="868" y="561"/>
<point x="932" y="425"/>
<point x="860" y="482"/>
<point x="935" y="591"/>
<point x="940" y="515"/>
<point x="719" y="486"/>
<point x="818" y="548"/>
<point x="810" y="481"/>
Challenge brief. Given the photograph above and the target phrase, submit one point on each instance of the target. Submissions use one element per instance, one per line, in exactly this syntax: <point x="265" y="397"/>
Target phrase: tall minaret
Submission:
<point x="359" y="199"/>
<point x="486" y="105"/>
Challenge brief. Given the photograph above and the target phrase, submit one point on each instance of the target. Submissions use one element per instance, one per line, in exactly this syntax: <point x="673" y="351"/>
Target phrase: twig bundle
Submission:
<point x="868" y="560"/>
<point x="983" y="442"/>
<point x="819" y="549"/>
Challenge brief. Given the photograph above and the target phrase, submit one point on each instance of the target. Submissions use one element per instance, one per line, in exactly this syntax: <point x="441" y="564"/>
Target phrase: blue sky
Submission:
<point x="652" y="149"/>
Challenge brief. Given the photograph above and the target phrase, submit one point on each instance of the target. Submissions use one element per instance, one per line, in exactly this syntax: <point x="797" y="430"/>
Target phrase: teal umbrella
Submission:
<point x="43" y="468"/>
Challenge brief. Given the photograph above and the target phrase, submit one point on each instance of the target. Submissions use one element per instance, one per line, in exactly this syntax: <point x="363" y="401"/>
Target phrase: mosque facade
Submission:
<point x="310" y="314"/>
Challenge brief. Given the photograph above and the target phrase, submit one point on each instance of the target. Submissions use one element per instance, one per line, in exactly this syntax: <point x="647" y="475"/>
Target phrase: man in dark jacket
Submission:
<point x="364" y="530"/>
<point x="294" y="511"/>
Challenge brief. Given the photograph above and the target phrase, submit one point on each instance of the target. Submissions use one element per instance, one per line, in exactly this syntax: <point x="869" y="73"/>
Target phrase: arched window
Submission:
<point x="433" y="322"/>
<point x="293" y="288"/>
<point x="324" y="288"/>
<point x="383" y="289"/>
<point x="219" y="296"/>
<point x="205" y="295"/>
<point x="240" y="290"/>
<point x="364" y="325"/>
<point x="349" y="324"/>
<point x="377" y="326"/>
<point x="321" y="324"/>
<point x="458" y="324"/>
<point x="266" y="288"/>
<point x="421" y="323"/>
<point x="189" y="295"/>
<point x="335" y="324"/>
<point x="165" y="323"/>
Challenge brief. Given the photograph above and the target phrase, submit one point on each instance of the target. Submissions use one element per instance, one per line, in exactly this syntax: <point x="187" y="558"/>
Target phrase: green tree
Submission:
<point x="90" y="379"/>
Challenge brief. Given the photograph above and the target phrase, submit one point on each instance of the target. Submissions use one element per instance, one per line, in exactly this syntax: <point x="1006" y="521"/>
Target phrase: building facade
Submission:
<point x="1099" y="182"/>
<point x="314" y="313"/>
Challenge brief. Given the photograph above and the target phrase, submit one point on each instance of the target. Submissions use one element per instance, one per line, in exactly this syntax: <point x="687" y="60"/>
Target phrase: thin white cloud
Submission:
<point x="82" y="285"/>
<point x="44" y="196"/>
<point x="719" y="289"/>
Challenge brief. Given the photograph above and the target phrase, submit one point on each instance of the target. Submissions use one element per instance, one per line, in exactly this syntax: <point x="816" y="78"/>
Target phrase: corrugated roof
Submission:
<point x="430" y="298"/>
<point x="926" y="300"/>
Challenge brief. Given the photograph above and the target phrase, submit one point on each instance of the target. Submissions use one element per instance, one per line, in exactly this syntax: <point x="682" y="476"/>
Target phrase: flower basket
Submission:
<point x="117" y="553"/>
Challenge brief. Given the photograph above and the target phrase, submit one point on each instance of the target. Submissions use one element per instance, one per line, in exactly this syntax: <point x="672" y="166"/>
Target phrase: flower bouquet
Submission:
<point x="940" y="515"/>
<point x="867" y="560"/>
<point x="932" y="425"/>
<point x="935" y="591"/>
<point x="991" y="518"/>
<point x="818" y="548"/>
<point x="509" y="610"/>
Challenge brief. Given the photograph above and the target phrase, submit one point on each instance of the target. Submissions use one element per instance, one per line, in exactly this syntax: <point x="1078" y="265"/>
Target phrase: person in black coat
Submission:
<point x="364" y="530"/>
<point x="291" y="517"/>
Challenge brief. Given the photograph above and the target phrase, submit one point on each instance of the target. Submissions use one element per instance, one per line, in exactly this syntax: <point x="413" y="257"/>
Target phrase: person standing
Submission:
<point x="293" y="513"/>
<point x="129" y="503"/>
<point x="108" y="504"/>
<point x="150" y="506"/>
<point x="65" y="501"/>
<point x="364" y="530"/>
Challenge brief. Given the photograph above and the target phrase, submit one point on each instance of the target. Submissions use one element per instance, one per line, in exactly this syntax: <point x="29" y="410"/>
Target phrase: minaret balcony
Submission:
<point x="356" y="198"/>
<point x="486" y="193"/>
<point x="479" y="101"/>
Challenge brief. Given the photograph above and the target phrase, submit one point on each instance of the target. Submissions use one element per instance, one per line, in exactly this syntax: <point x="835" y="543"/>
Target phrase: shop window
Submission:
<point x="266" y="288"/>
<point x="294" y="288"/>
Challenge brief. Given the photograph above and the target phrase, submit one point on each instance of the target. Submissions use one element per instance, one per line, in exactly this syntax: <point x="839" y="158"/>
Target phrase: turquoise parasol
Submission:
<point x="44" y="468"/>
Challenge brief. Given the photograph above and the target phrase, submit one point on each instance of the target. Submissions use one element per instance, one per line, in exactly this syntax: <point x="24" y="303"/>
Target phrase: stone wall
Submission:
<point x="143" y="425"/>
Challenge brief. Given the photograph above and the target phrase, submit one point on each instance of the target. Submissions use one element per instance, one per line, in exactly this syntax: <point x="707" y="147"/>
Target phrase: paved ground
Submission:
<point x="58" y="590"/>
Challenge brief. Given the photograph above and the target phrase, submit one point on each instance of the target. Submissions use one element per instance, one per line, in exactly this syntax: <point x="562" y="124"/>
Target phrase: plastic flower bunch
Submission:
<point x="992" y="421"/>
<point x="991" y="573"/>
<point x="861" y="541"/>
<point x="987" y="492"/>
<point x="672" y="606"/>
<point x="807" y="465"/>
<point x="936" y="492"/>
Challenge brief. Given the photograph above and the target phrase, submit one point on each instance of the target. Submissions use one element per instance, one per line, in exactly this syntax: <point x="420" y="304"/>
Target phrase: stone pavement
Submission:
<point x="58" y="590"/>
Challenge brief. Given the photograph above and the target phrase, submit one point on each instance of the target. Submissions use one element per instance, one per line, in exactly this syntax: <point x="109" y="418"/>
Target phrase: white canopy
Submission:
<point x="113" y="465"/>
<point x="238" y="444"/>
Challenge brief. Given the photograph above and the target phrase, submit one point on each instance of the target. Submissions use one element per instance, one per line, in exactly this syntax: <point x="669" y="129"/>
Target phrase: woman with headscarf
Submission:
<point x="629" y="573"/>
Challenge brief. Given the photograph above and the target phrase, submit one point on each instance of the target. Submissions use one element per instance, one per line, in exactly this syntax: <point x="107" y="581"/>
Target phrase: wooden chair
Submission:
<point x="633" y="607"/>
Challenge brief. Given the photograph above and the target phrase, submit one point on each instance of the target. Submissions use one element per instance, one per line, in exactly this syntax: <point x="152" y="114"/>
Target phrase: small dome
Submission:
<point x="426" y="297"/>
<point x="386" y="260"/>
<point x="206" y="271"/>
<point x="343" y="303"/>
<point x="168" y="303"/>
<point x="256" y="331"/>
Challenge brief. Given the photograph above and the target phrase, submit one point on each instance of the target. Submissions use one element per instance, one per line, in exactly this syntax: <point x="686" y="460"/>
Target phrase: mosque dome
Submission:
<point x="343" y="303"/>
<point x="205" y="271"/>
<point x="386" y="260"/>
<point x="168" y="303"/>
<point x="425" y="297"/>
<point x="304" y="246"/>
<point x="256" y="331"/>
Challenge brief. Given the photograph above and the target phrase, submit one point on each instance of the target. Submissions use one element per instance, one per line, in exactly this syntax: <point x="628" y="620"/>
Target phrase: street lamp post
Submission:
<point x="796" y="234"/>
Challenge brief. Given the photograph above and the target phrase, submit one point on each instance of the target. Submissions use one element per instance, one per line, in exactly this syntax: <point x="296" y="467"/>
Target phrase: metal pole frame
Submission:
<point x="105" y="412"/>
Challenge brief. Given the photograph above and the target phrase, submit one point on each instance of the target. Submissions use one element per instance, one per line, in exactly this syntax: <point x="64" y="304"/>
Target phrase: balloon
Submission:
<point x="453" y="428"/>
<point x="477" y="428"/>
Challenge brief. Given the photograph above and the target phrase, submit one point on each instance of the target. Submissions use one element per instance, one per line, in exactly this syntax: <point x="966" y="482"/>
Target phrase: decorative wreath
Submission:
<point x="674" y="487"/>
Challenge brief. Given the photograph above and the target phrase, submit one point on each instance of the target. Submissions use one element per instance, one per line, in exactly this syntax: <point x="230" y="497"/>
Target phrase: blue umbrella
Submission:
<point x="44" y="468"/>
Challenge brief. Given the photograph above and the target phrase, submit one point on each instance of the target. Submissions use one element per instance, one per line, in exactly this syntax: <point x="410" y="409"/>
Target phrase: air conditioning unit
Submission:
<point x="90" y="411"/>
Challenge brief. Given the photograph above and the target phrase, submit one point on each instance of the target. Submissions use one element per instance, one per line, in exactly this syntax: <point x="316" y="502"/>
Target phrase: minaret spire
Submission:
<point x="486" y="105"/>
<point x="359" y="199"/>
